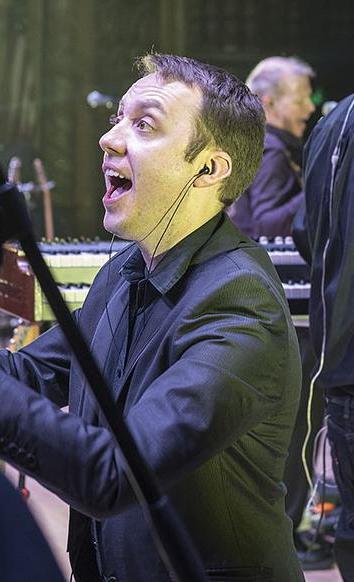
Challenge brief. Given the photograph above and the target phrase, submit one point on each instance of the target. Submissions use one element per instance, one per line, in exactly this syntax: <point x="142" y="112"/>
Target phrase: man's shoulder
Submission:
<point x="246" y="260"/>
<point x="273" y="142"/>
<point x="324" y="136"/>
<point x="229" y="243"/>
<point x="253" y="259"/>
<point x="238" y="281"/>
<point x="226" y="240"/>
<point x="232" y="255"/>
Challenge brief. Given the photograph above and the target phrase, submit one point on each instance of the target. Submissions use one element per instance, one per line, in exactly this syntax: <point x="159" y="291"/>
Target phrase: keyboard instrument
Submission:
<point x="294" y="274"/>
<point x="74" y="265"/>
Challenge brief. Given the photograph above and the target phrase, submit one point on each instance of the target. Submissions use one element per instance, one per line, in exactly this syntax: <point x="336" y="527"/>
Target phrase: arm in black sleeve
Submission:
<point x="44" y="365"/>
<point x="228" y="374"/>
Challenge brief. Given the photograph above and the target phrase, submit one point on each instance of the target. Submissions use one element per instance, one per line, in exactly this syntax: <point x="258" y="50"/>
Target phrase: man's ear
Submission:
<point x="267" y="102"/>
<point x="219" y="164"/>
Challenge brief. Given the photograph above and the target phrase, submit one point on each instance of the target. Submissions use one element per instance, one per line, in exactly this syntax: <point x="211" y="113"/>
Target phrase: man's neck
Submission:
<point x="154" y="250"/>
<point x="151" y="261"/>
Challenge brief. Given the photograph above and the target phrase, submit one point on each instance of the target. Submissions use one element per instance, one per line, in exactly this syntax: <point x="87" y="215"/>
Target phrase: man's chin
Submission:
<point x="110" y="226"/>
<point x="117" y="229"/>
<point x="301" y="130"/>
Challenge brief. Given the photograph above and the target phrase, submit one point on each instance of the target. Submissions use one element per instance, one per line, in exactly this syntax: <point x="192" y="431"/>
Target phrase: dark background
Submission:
<point x="54" y="52"/>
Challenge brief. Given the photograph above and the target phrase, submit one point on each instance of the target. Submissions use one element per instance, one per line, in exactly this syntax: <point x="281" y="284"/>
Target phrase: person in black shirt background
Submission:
<point x="268" y="208"/>
<point x="328" y="229"/>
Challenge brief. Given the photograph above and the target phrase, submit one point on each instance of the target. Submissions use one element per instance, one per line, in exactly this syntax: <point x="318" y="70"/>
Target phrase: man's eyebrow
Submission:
<point x="149" y="103"/>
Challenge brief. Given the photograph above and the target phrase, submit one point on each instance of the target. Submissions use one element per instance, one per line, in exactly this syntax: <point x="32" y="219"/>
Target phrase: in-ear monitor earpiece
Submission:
<point x="204" y="170"/>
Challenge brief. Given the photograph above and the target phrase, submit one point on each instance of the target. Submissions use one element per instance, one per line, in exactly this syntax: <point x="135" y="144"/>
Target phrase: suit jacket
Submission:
<point x="209" y="390"/>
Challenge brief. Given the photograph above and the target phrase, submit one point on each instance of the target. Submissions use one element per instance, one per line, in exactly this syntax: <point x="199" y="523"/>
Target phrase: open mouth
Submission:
<point x="118" y="184"/>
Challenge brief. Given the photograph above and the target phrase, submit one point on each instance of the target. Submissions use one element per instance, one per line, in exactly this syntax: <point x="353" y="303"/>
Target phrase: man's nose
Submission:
<point x="310" y="106"/>
<point x="113" y="142"/>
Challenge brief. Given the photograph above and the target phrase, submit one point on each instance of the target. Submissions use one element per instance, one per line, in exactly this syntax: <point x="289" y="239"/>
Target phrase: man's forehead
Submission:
<point x="153" y="91"/>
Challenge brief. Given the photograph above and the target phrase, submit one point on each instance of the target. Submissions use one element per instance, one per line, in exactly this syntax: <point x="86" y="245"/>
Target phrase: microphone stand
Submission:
<point x="172" y="541"/>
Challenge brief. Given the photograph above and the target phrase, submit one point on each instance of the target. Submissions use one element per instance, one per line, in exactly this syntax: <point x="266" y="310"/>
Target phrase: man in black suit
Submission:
<point x="191" y="328"/>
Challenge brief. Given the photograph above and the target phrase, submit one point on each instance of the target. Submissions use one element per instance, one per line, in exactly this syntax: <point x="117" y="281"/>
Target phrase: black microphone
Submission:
<point x="97" y="99"/>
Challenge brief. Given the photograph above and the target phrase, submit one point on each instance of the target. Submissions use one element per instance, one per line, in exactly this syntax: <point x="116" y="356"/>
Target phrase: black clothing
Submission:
<point x="24" y="553"/>
<point x="340" y="411"/>
<point x="294" y="145"/>
<point x="209" y="390"/>
<point x="269" y="205"/>
<point x="329" y="186"/>
<point x="337" y="376"/>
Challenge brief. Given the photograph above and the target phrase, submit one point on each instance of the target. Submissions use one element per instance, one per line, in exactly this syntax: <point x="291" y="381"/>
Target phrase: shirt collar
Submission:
<point x="175" y="262"/>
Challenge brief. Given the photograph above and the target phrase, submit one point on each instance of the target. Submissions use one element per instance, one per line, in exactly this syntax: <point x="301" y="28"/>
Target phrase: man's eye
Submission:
<point x="114" y="119"/>
<point x="144" y="125"/>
